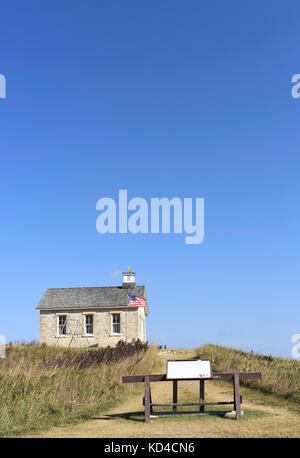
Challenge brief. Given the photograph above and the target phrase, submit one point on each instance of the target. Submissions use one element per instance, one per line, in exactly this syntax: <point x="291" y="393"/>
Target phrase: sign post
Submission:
<point x="189" y="369"/>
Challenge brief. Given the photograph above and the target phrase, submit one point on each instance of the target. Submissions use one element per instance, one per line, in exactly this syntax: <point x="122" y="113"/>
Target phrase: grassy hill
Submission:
<point x="265" y="415"/>
<point x="280" y="377"/>
<point x="43" y="386"/>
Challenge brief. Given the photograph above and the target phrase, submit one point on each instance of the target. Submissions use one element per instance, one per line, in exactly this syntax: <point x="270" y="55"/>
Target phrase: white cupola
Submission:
<point x="128" y="279"/>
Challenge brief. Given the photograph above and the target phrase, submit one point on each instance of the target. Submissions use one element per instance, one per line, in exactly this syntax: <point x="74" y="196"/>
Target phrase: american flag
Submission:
<point x="135" y="301"/>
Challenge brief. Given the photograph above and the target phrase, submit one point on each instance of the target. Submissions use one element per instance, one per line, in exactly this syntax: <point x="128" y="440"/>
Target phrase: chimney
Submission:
<point x="128" y="279"/>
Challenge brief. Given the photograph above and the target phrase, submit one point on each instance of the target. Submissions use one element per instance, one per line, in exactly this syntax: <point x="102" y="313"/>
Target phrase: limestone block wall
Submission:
<point x="132" y="324"/>
<point x="142" y="324"/>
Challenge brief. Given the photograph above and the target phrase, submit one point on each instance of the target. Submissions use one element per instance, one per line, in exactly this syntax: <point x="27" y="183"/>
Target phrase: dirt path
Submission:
<point x="126" y="419"/>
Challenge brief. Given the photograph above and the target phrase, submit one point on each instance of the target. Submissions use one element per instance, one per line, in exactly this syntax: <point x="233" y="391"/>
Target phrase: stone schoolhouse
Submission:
<point x="94" y="316"/>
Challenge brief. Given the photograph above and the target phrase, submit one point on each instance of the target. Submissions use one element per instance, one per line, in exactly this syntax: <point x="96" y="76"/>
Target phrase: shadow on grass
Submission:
<point x="133" y="416"/>
<point x="140" y="416"/>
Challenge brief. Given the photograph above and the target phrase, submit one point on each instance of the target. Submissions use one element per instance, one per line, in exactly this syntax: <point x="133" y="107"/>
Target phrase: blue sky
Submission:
<point x="188" y="99"/>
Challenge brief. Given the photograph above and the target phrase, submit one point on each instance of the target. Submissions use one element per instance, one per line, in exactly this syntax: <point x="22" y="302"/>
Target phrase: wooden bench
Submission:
<point x="234" y="376"/>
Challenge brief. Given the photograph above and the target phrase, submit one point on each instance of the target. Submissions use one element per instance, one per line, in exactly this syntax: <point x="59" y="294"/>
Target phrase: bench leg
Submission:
<point x="202" y="395"/>
<point x="147" y="399"/>
<point x="175" y="398"/>
<point x="237" y="395"/>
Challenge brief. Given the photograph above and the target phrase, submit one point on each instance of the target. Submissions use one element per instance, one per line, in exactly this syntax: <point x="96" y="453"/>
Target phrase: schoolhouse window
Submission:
<point x="89" y="324"/>
<point x="62" y="325"/>
<point x="116" y="323"/>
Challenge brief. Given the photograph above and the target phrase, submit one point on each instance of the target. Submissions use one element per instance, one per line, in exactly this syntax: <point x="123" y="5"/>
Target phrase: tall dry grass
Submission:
<point x="43" y="386"/>
<point x="279" y="376"/>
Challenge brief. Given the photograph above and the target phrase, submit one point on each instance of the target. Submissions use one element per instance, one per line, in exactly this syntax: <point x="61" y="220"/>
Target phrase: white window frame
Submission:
<point x="112" y="323"/>
<point x="85" y="324"/>
<point x="59" y="334"/>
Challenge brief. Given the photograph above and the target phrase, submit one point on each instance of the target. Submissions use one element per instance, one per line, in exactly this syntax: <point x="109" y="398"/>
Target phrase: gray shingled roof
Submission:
<point x="94" y="297"/>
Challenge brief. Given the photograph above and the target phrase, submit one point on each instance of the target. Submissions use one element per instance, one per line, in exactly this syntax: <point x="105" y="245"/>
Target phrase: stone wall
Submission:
<point x="132" y="327"/>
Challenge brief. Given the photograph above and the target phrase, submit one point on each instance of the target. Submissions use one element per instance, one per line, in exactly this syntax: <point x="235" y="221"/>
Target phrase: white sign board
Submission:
<point x="188" y="369"/>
